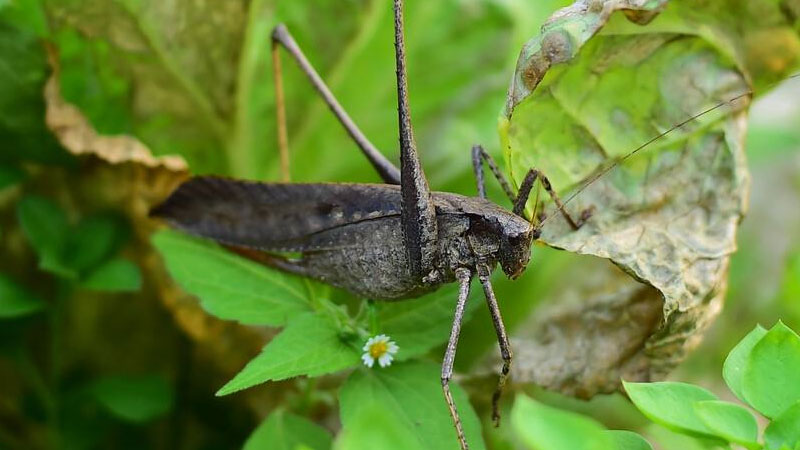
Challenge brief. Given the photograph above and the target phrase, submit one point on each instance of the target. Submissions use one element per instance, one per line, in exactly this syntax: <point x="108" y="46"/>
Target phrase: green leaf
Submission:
<point x="628" y="440"/>
<point x="309" y="345"/>
<point x="671" y="404"/>
<point x="373" y="427"/>
<point x="116" y="275"/>
<point x="771" y="381"/>
<point x="410" y="393"/>
<point x="46" y="228"/>
<point x="16" y="300"/>
<point x="784" y="430"/>
<point x="134" y="398"/>
<point x="543" y="427"/>
<point x="733" y="369"/>
<point x="231" y="287"/>
<point x="26" y="13"/>
<point x="93" y="240"/>
<point x="729" y="421"/>
<point x="285" y="431"/>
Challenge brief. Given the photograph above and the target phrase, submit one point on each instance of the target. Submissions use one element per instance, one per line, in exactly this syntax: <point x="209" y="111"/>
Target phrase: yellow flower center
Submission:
<point x="377" y="349"/>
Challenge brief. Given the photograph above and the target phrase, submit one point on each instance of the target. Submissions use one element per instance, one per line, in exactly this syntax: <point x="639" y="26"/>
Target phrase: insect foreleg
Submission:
<point x="281" y="36"/>
<point x="502" y="340"/>
<point x="463" y="276"/>
<point x="525" y="190"/>
<point x="478" y="156"/>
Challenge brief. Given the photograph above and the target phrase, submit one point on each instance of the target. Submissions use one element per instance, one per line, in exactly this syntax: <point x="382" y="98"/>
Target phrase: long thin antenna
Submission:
<point x="616" y="163"/>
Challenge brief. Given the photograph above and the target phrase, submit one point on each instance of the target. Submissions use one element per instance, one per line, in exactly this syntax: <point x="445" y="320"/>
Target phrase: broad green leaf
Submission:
<point x="735" y="363"/>
<point x="628" y="440"/>
<point x="784" y="430"/>
<point x="729" y="421"/>
<point x="27" y="14"/>
<point x="285" y="431"/>
<point x="310" y="345"/>
<point x="410" y="393"/>
<point x="93" y="240"/>
<point x="543" y="427"/>
<point x="771" y="380"/>
<point x="47" y="229"/>
<point x="134" y="398"/>
<point x="372" y="427"/>
<point x="231" y="287"/>
<point x="16" y="300"/>
<point x="599" y="82"/>
<point x="669" y="439"/>
<point x="116" y="275"/>
<point x="419" y="325"/>
<point x="671" y="404"/>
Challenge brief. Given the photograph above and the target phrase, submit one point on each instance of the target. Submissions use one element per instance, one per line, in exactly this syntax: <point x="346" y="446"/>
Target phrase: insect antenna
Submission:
<point x="599" y="174"/>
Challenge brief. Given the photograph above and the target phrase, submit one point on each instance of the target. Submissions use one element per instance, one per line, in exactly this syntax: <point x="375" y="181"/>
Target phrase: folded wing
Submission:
<point x="272" y="216"/>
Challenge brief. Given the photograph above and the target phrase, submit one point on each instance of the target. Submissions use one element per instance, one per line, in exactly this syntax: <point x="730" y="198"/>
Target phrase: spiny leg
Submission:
<point x="502" y="340"/>
<point x="417" y="215"/>
<point x="478" y="156"/>
<point x="525" y="190"/>
<point x="281" y="36"/>
<point x="463" y="277"/>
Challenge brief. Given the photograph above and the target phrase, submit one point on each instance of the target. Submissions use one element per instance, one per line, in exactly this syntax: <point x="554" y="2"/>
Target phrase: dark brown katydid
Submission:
<point x="381" y="241"/>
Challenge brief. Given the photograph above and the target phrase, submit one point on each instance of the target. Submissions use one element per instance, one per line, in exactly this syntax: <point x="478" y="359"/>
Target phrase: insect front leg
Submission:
<point x="281" y="37"/>
<point x="502" y="340"/>
<point x="525" y="190"/>
<point x="479" y="155"/>
<point x="463" y="276"/>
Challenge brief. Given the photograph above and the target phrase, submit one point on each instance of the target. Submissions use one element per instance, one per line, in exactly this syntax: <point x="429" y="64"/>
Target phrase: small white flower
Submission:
<point x="379" y="348"/>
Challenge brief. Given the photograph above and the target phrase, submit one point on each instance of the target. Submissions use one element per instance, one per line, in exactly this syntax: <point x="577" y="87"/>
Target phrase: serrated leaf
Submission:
<point x="231" y="287"/>
<point x="771" y="379"/>
<point x="628" y="440"/>
<point x="543" y="427"/>
<point x="411" y="395"/>
<point x="671" y="404"/>
<point x="729" y="421"/>
<point x="285" y="431"/>
<point x="735" y="363"/>
<point x="134" y="398"/>
<point x="116" y="275"/>
<point x="784" y="430"/>
<point x="310" y="345"/>
<point x="16" y="300"/>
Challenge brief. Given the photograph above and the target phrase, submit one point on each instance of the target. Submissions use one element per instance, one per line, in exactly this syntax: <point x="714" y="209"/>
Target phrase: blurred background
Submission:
<point x="106" y="105"/>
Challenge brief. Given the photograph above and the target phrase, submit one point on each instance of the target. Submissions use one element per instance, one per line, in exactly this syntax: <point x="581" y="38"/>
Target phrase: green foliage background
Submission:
<point x="89" y="355"/>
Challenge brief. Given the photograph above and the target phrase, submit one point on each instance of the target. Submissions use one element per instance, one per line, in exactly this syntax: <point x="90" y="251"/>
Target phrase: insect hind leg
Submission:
<point x="281" y="37"/>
